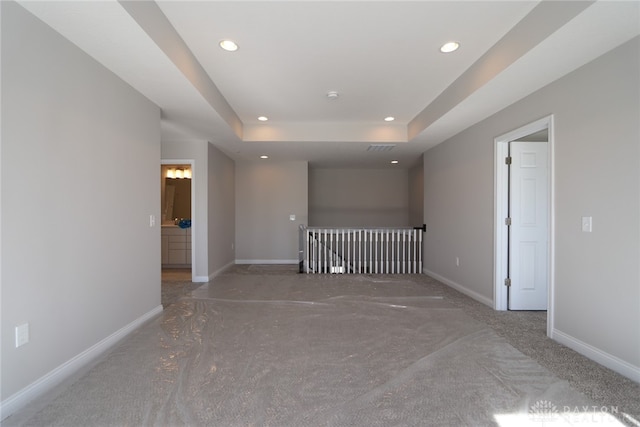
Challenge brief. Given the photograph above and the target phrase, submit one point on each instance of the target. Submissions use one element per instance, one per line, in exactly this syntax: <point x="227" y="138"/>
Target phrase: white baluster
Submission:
<point x="420" y="252"/>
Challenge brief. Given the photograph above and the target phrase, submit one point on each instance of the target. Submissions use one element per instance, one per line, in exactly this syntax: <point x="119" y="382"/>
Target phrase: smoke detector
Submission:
<point x="332" y="94"/>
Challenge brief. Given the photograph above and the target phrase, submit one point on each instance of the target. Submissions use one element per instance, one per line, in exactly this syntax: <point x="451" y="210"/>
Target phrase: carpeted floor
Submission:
<point x="262" y="345"/>
<point x="176" y="283"/>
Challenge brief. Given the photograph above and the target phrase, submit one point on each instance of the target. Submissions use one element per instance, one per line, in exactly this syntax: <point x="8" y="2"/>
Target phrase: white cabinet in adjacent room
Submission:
<point x="176" y="246"/>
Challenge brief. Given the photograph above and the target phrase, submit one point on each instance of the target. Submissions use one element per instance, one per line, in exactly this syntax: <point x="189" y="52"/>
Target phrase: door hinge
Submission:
<point x="507" y="221"/>
<point x="507" y="160"/>
<point x="507" y="282"/>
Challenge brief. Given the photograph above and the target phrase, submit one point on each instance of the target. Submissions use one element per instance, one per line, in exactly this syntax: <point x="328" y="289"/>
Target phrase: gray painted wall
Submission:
<point x="359" y="197"/>
<point x="221" y="199"/>
<point x="597" y="167"/>
<point x="266" y="194"/>
<point x="79" y="259"/>
<point x="416" y="194"/>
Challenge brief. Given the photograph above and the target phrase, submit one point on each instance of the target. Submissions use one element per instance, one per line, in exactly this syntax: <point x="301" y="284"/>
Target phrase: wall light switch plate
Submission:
<point x="587" y="224"/>
<point x="22" y="335"/>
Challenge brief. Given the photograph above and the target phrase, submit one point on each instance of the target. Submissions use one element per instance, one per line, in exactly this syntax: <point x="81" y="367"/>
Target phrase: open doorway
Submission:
<point x="523" y="270"/>
<point x="177" y="207"/>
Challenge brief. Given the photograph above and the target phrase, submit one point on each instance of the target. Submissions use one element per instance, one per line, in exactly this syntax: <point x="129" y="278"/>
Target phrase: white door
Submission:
<point x="528" y="245"/>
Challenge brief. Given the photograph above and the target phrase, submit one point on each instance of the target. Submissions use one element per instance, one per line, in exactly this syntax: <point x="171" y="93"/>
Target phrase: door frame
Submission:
<point x="192" y="164"/>
<point x="500" y="213"/>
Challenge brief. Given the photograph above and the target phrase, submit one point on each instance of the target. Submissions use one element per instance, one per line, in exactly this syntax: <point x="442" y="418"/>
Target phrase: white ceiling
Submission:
<point x="382" y="57"/>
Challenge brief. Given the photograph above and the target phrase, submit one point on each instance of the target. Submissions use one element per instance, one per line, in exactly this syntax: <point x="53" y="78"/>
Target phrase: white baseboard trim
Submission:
<point x="605" y="359"/>
<point x="267" y="261"/>
<point x="458" y="287"/>
<point x="46" y="383"/>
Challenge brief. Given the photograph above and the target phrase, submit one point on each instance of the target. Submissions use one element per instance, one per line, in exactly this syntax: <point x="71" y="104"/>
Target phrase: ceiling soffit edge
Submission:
<point x="153" y="21"/>
<point x="338" y="132"/>
<point x="545" y="19"/>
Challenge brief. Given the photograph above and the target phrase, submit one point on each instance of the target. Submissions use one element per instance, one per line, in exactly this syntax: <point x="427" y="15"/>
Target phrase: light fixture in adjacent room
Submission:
<point x="228" y="45"/>
<point x="178" y="173"/>
<point x="389" y="119"/>
<point x="263" y="118"/>
<point x="449" y="47"/>
<point x="264" y="157"/>
<point x="394" y="162"/>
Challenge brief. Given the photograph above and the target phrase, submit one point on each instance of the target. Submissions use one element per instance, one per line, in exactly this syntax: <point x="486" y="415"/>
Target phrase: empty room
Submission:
<point x="301" y="213"/>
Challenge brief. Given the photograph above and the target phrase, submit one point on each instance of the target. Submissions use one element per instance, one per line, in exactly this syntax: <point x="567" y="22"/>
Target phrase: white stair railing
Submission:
<point x="361" y="250"/>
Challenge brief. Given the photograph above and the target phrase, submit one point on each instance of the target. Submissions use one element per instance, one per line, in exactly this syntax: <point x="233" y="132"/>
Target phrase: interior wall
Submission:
<point x="416" y="194"/>
<point x="596" y="172"/>
<point x="267" y="193"/>
<point x="359" y="197"/>
<point x="79" y="258"/>
<point x="222" y="210"/>
<point x="196" y="151"/>
<point x="458" y="211"/>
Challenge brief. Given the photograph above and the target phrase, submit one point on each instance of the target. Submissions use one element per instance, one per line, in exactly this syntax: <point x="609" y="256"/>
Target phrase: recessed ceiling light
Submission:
<point x="394" y="162"/>
<point x="389" y="119"/>
<point x="333" y="95"/>
<point x="449" y="47"/>
<point x="263" y="118"/>
<point x="228" y="45"/>
<point x="264" y="157"/>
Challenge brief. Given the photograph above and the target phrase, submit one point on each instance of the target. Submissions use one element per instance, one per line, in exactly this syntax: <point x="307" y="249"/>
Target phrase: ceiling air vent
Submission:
<point x="380" y="147"/>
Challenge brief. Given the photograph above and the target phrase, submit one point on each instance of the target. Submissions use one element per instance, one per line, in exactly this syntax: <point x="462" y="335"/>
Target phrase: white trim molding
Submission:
<point x="54" y="378"/>
<point x="500" y="200"/>
<point x="458" y="287"/>
<point x="605" y="359"/>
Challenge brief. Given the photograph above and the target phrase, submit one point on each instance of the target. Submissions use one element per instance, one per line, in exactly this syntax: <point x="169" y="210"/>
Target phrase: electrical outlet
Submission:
<point x="587" y="224"/>
<point x="457" y="262"/>
<point x="152" y="220"/>
<point x="22" y="335"/>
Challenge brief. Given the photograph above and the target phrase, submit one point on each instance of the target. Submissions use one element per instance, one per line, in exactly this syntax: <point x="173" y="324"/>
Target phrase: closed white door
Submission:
<point x="528" y="233"/>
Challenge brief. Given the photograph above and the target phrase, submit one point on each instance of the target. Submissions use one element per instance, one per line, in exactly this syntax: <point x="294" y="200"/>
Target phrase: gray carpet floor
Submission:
<point x="263" y="345"/>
